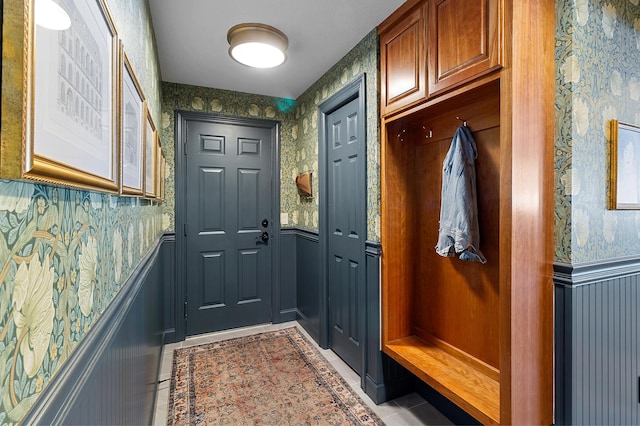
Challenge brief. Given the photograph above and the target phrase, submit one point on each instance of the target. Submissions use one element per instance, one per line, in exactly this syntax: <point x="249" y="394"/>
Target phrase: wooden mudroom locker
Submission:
<point x="480" y="334"/>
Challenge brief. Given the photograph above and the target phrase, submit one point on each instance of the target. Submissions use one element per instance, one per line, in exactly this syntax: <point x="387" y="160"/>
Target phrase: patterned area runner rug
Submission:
<point x="275" y="378"/>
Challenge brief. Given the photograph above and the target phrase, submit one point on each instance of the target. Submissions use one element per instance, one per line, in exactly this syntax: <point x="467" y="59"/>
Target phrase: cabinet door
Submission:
<point x="403" y="61"/>
<point x="464" y="41"/>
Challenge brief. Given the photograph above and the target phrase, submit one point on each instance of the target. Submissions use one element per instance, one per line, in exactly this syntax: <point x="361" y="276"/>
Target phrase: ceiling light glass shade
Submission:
<point x="49" y="14"/>
<point x="257" y="45"/>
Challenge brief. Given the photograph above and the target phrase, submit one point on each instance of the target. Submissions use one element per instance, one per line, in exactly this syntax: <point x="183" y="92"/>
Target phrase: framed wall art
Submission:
<point x="132" y="130"/>
<point x="159" y="165"/>
<point x="150" y="156"/>
<point x="162" y="172"/>
<point x="70" y="133"/>
<point x="625" y="166"/>
<point x="163" y="178"/>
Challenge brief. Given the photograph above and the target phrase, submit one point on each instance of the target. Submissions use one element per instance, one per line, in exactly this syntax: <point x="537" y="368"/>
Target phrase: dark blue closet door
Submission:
<point x="346" y="208"/>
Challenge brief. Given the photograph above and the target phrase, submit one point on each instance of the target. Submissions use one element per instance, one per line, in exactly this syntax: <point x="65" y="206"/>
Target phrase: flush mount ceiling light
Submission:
<point x="257" y="45"/>
<point x="49" y="14"/>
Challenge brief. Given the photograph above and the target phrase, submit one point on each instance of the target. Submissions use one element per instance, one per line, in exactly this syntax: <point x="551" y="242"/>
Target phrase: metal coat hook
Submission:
<point x="464" y="122"/>
<point x="400" y="134"/>
<point x="430" y="135"/>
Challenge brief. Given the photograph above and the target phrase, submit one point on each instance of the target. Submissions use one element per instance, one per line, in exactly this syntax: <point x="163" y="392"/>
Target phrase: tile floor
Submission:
<point x="410" y="409"/>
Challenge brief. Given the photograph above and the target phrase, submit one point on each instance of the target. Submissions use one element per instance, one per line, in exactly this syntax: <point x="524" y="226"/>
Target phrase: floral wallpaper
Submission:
<point x="64" y="253"/>
<point x="363" y="58"/>
<point x="180" y="97"/>
<point x="597" y="79"/>
<point x="298" y="134"/>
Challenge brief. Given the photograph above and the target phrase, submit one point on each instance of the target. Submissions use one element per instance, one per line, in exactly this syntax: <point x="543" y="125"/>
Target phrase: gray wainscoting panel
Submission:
<point x="288" y="291"/>
<point x="308" y="282"/>
<point x="383" y="378"/>
<point x="373" y="372"/>
<point x="111" y="377"/>
<point x="169" y="311"/>
<point x="598" y="343"/>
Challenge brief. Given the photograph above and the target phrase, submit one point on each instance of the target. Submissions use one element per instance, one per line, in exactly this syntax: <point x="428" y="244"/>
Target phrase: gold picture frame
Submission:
<point x="160" y="164"/>
<point x="150" y="156"/>
<point x="71" y="78"/>
<point x="162" y="169"/>
<point x="625" y="166"/>
<point x="132" y="129"/>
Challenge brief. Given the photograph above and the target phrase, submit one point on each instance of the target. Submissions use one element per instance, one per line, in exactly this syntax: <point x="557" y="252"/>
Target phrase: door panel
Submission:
<point x="248" y="273"/>
<point x="248" y="199"/>
<point x="213" y="268"/>
<point x="346" y="226"/>
<point x="228" y="194"/>
<point x="212" y="198"/>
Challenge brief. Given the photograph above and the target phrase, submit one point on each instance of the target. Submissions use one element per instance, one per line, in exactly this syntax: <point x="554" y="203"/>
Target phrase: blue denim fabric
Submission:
<point x="459" y="233"/>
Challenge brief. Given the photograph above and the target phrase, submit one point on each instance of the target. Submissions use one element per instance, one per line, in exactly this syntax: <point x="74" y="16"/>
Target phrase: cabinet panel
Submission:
<point x="403" y="62"/>
<point x="464" y="41"/>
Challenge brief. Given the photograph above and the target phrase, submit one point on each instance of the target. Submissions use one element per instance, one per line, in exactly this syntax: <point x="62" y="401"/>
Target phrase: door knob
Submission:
<point x="264" y="237"/>
<point x="265" y="223"/>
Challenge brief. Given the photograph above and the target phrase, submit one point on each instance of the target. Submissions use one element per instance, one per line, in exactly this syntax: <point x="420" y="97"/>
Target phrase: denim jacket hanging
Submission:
<point x="459" y="233"/>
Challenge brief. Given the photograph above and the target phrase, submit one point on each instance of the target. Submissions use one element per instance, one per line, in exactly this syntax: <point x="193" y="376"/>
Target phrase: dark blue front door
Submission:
<point x="228" y="225"/>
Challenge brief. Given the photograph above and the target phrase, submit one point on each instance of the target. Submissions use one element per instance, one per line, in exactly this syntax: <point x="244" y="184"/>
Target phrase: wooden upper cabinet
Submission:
<point x="403" y="57"/>
<point x="430" y="46"/>
<point x="464" y="41"/>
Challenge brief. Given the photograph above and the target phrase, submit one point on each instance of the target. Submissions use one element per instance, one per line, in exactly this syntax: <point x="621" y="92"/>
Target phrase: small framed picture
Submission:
<point x="159" y="167"/>
<point x="162" y="174"/>
<point x="150" y="156"/>
<point x="625" y="166"/>
<point x="132" y="130"/>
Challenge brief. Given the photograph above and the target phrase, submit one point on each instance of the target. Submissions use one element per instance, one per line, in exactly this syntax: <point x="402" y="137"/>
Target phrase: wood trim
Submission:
<point x="302" y="233"/>
<point x="527" y="124"/>
<point x="397" y="223"/>
<point x="581" y="274"/>
<point x="506" y="106"/>
<point x="373" y="248"/>
<point x="445" y="97"/>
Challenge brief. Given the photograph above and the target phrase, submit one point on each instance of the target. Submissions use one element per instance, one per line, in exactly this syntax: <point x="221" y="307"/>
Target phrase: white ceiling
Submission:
<point x="192" y="40"/>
